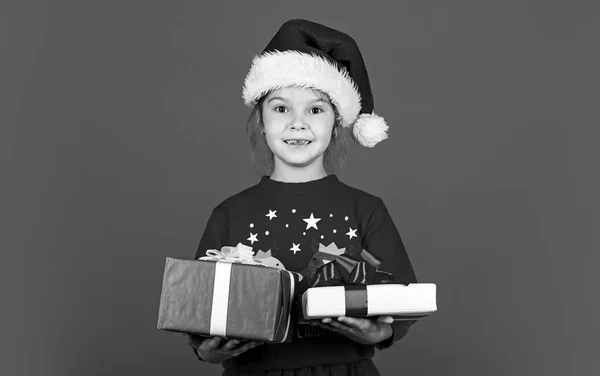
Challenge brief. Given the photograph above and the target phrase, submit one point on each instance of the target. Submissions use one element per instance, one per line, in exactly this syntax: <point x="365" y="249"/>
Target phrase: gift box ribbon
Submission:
<point x="240" y="253"/>
<point x="354" y="275"/>
<point x="220" y="304"/>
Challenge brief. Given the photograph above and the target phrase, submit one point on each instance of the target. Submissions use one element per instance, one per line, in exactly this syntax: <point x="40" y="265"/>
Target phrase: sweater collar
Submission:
<point x="322" y="183"/>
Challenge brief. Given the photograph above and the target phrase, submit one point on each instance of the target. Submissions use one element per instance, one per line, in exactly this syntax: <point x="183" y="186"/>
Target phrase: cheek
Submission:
<point x="272" y="141"/>
<point x="272" y="125"/>
<point x="324" y="132"/>
<point x="324" y="138"/>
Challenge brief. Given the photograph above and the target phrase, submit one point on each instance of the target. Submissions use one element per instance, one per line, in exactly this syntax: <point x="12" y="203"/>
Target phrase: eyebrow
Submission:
<point x="285" y="100"/>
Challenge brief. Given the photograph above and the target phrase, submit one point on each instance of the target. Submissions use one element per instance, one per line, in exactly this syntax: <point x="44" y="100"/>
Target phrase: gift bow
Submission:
<point x="354" y="276"/>
<point x="346" y="271"/>
<point x="240" y="253"/>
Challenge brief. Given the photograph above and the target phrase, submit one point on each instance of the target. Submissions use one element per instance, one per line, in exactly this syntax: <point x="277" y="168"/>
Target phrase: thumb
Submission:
<point x="193" y="340"/>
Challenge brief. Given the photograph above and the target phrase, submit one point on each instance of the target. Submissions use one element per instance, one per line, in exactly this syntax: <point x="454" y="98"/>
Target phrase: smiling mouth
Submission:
<point x="297" y="142"/>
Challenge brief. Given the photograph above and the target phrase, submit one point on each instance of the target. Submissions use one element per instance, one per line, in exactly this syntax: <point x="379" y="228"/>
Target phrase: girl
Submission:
<point x="307" y="87"/>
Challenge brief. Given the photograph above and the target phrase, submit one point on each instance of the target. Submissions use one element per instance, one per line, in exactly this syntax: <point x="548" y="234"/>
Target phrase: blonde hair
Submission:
<point x="334" y="157"/>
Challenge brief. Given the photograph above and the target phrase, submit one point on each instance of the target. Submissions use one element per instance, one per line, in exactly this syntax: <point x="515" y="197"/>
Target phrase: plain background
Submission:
<point x="122" y="126"/>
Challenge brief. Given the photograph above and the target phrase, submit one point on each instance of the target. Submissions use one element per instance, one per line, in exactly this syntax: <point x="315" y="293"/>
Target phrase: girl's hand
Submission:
<point x="361" y="330"/>
<point x="217" y="350"/>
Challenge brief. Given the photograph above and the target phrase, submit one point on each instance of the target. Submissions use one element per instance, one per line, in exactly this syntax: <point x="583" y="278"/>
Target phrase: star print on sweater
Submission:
<point x="295" y="248"/>
<point x="270" y="227"/>
<point x="253" y="238"/>
<point x="311" y="222"/>
<point x="351" y="233"/>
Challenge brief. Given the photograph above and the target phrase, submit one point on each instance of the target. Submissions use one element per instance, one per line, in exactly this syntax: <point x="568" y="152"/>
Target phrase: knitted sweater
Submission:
<point x="299" y="227"/>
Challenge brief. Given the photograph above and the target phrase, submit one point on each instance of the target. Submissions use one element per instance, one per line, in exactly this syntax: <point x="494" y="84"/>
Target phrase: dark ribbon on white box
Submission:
<point x="356" y="300"/>
<point x="354" y="275"/>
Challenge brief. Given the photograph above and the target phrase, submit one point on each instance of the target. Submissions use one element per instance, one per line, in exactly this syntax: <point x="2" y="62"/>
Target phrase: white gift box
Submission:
<point x="404" y="302"/>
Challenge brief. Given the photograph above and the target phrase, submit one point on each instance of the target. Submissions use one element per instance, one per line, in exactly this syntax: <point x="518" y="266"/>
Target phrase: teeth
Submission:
<point x="297" y="142"/>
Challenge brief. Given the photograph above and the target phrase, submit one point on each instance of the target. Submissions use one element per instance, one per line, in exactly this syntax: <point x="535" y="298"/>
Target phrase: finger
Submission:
<point x="213" y="343"/>
<point x="331" y="321"/>
<point x="245" y="347"/>
<point x="255" y="343"/>
<point x="337" y="325"/>
<point x="229" y="345"/>
<point x="356" y="322"/>
<point x="382" y="320"/>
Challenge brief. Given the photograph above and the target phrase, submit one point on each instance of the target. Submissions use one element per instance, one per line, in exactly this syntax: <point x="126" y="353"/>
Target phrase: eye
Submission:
<point x="318" y="110"/>
<point x="280" y="109"/>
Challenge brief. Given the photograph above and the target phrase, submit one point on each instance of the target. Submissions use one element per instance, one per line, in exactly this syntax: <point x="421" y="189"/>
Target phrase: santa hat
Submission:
<point x="307" y="54"/>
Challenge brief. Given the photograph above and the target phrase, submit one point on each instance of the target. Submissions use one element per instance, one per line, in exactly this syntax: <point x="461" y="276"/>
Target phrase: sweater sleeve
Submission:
<point x="382" y="240"/>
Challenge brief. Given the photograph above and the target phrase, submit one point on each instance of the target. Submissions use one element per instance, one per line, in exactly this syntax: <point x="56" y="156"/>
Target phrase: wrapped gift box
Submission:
<point x="226" y="298"/>
<point x="403" y="302"/>
<point x="349" y="287"/>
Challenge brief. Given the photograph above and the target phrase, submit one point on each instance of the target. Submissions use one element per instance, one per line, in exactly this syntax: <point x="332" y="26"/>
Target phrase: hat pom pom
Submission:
<point x="369" y="129"/>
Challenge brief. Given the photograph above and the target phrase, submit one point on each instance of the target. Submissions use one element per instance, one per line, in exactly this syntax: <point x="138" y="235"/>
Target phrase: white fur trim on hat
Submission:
<point x="278" y="69"/>
<point x="369" y="129"/>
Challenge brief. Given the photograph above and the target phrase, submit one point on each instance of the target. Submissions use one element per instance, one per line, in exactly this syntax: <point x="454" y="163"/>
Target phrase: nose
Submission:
<point x="298" y="123"/>
<point x="298" y="127"/>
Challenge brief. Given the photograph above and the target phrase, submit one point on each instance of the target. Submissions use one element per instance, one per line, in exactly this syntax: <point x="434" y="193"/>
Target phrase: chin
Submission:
<point x="298" y="162"/>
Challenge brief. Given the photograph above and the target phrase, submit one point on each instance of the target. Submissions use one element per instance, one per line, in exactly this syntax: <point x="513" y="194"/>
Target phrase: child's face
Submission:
<point x="298" y="124"/>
